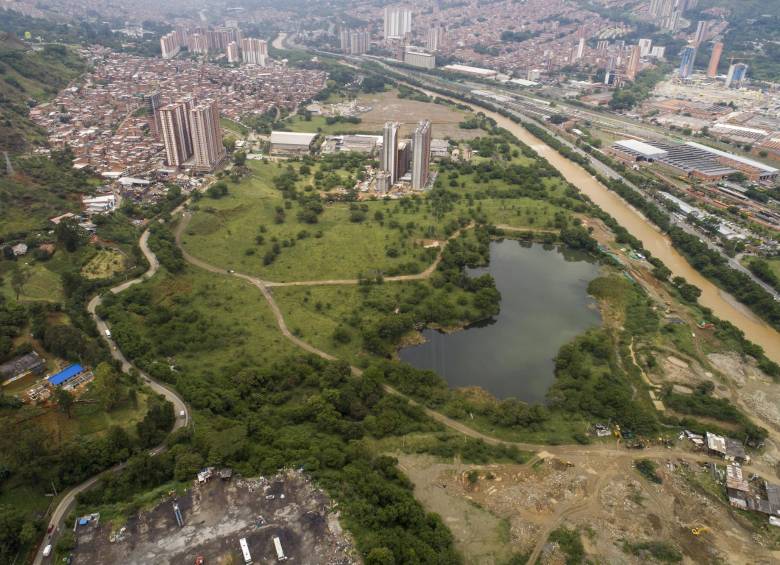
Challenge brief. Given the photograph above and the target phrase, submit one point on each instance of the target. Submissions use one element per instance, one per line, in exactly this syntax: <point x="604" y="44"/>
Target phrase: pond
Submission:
<point x="544" y="304"/>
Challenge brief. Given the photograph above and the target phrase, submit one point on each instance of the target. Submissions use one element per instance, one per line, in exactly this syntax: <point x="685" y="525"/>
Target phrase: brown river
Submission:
<point x="722" y="304"/>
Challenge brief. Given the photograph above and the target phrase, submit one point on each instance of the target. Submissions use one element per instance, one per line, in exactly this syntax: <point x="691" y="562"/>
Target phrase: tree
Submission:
<point x="70" y="235"/>
<point x="217" y="190"/>
<point x="239" y="158"/>
<point x="107" y="386"/>
<point x="64" y="400"/>
<point x="229" y="143"/>
<point x="18" y="280"/>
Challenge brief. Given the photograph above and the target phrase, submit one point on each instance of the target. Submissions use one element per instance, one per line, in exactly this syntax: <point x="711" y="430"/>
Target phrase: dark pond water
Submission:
<point x="544" y="304"/>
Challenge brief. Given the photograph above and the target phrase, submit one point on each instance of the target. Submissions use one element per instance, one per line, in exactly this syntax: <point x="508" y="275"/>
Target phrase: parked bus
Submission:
<point x="279" y="551"/>
<point x="245" y="551"/>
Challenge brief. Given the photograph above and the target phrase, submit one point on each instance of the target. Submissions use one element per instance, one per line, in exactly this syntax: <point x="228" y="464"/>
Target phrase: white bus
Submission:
<point x="245" y="551"/>
<point x="279" y="551"/>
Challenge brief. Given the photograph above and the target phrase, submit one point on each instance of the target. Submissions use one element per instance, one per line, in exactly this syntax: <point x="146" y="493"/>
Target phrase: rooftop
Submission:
<point x="65" y="375"/>
<point x="644" y="149"/>
<point x="291" y="138"/>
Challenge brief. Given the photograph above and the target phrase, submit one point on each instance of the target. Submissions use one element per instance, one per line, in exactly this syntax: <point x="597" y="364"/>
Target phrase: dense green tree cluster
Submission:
<point x="763" y="271"/>
<point x="163" y="243"/>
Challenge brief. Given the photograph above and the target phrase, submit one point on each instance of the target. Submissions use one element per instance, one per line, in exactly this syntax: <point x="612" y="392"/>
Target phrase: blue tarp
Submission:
<point x="65" y="375"/>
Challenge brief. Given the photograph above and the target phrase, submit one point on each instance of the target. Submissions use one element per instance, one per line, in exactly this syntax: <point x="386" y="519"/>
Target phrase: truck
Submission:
<point x="279" y="551"/>
<point x="245" y="551"/>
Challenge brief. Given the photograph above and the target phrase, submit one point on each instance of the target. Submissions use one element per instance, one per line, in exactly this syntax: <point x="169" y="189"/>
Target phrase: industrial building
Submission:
<point x="691" y="159"/>
<point x="420" y="59"/>
<point x="291" y="143"/>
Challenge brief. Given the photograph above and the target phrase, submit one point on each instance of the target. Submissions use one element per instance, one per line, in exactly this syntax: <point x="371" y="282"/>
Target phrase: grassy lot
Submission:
<point x="233" y="126"/>
<point x="105" y="264"/>
<point x="223" y="232"/>
<point x="202" y="323"/>
<point x="318" y="124"/>
<point x="39" y="282"/>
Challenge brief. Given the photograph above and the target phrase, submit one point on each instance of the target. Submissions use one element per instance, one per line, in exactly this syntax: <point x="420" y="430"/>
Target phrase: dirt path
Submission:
<point x="606" y="450"/>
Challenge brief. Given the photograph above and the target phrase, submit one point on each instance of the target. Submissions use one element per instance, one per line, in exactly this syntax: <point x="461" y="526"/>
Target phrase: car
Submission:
<point x="231" y="271"/>
<point x="47" y="550"/>
<point x="108" y="333"/>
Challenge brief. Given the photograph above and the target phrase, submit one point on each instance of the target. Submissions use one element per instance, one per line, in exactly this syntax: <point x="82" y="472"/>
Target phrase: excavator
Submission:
<point x="699" y="530"/>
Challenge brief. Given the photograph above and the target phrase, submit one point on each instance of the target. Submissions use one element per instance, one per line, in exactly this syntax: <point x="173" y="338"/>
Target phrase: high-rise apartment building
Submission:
<point x="170" y="45"/>
<point x="580" y="49"/>
<point x="198" y="43"/>
<point x="645" y="45"/>
<point x="421" y="154"/>
<point x="206" y="136"/>
<point x="398" y="22"/>
<point x="436" y="37"/>
<point x="701" y="32"/>
<point x="736" y="76"/>
<point x="254" y="51"/>
<point x="233" y="54"/>
<point x="688" y="56"/>
<point x="717" y="51"/>
<point x="175" y="132"/>
<point x="152" y="103"/>
<point x="389" y="160"/>
<point x="632" y="68"/>
<point x="359" y="42"/>
<point x="344" y="40"/>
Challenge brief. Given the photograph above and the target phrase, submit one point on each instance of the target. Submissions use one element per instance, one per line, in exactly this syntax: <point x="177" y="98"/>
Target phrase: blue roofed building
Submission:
<point x="70" y="377"/>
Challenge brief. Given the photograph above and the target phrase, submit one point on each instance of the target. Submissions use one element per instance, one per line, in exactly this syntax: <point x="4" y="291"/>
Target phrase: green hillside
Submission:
<point x="29" y="77"/>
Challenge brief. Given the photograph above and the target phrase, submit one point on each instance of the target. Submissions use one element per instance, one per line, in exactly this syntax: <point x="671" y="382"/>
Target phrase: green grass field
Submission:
<point x="223" y="233"/>
<point x="39" y="283"/>
<point x="235" y="322"/>
<point x="233" y="126"/>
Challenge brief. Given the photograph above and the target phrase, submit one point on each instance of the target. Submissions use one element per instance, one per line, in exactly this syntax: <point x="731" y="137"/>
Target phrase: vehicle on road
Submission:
<point x="47" y="550"/>
<point x="108" y="333"/>
<point x="245" y="551"/>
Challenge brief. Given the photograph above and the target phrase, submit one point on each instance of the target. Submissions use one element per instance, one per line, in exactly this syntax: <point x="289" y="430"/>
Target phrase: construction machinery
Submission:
<point x="699" y="530"/>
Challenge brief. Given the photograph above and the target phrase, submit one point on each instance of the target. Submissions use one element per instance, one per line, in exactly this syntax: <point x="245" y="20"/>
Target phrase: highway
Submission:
<point x="68" y="500"/>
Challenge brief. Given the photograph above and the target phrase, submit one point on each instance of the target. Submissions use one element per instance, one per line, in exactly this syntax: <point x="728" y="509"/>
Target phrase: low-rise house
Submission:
<point x="21" y="366"/>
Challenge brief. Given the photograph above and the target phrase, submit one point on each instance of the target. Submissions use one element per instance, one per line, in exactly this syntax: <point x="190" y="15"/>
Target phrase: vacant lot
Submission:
<point x="105" y="264"/>
<point x="216" y="515"/>
<point x="495" y="511"/>
<point x="386" y="106"/>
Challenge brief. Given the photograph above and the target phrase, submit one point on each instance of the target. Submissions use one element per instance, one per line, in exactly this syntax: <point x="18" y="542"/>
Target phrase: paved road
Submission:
<point x="69" y="498"/>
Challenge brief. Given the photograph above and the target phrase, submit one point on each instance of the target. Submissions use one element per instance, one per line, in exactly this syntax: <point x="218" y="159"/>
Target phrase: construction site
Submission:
<point x="220" y="519"/>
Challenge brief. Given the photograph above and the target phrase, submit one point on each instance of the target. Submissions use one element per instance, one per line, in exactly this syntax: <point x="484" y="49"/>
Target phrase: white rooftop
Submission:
<point x="471" y="70"/>
<point x="291" y="138"/>
<point x="640" y="147"/>
<point x="743" y="160"/>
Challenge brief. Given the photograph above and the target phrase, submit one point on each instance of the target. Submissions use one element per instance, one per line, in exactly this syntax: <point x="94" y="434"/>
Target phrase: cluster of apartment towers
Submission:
<point x="190" y="131"/>
<point x="397" y="156"/>
<point x="225" y="40"/>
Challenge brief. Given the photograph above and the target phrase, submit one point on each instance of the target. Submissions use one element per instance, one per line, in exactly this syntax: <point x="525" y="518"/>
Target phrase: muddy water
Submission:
<point x="722" y="304"/>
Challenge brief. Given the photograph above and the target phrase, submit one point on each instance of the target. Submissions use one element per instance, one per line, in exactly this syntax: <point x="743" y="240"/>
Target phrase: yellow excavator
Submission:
<point x="699" y="530"/>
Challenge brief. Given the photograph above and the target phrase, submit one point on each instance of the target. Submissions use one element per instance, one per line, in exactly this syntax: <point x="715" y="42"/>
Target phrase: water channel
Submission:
<point x="544" y="304"/>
